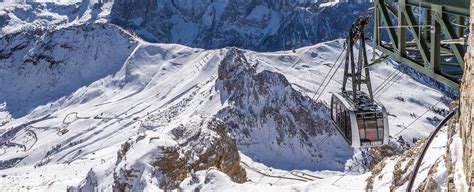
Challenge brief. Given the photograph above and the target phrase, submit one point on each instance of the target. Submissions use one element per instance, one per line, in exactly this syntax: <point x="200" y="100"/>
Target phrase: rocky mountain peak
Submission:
<point x="264" y="105"/>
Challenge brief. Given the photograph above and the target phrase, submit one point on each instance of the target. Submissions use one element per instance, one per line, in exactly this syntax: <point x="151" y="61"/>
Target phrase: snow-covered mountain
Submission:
<point x="119" y="113"/>
<point x="264" y="25"/>
<point x="41" y="60"/>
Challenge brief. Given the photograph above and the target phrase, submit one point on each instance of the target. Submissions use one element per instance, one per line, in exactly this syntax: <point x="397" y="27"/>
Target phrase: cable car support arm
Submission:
<point x="426" y="35"/>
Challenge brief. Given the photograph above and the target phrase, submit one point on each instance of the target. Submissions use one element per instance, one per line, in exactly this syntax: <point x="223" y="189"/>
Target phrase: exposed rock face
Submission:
<point x="199" y="147"/>
<point x="403" y="165"/>
<point x="251" y="24"/>
<point x="264" y="106"/>
<point x="455" y="155"/>
<point x="380" y="153"/>
<point x="222" y="154"/>
<point x="393" y="173"/>
<point x="467" y="108"/>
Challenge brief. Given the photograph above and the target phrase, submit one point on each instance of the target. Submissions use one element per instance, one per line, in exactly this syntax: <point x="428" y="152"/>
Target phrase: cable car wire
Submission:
<point x="393" y="83"/>
<point x="384" y="86"/>
<point x="396" y="135"/>
<point x="329" y="72"/>
<point x="340" y="178"/>
<point x="322" y="91"/>
<point x="332" y="76"/>
<point x="383" y="83"/>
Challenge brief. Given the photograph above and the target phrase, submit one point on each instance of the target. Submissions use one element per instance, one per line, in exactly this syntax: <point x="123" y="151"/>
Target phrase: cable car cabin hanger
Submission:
<point x="360" y="119"/>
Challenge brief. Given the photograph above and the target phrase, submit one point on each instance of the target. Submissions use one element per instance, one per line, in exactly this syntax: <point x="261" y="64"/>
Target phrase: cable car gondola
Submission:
<point x="363" y="126"/>
<point x="360" y="119"/>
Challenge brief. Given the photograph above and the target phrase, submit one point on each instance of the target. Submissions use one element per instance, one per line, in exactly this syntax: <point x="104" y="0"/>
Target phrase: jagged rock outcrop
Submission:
<point x="402" y="167"/>
<point x="198" y="146"/>
<point x="456" y="177"/>
<point x="256" y="24"/>
<point x="88" y="184"/>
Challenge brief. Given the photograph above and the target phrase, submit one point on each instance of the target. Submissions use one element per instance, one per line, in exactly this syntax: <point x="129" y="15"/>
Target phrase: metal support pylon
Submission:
<point x="354" y="69"/>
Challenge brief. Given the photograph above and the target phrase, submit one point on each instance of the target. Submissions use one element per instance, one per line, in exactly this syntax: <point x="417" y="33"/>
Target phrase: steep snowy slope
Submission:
<point x="45" y="65"/>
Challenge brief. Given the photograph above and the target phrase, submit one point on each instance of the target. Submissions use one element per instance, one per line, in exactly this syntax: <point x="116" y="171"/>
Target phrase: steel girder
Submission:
<point x="425" y="35"/>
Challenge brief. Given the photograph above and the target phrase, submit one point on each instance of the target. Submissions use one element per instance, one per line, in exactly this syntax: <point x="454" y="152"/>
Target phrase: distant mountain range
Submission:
<point x="262" y="25"/>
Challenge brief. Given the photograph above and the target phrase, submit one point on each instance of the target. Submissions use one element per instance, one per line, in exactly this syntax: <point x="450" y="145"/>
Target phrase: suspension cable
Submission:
<point x="386" y="79"/>
<point x="322" y="91"/>
<point x="387" y="83"/>
<point x="383" y="84"/>
<point x="393" y="83"/>
<point x="329" y="72"/>
<point x="396" y="135"/>
<point x="332" y="76"/>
